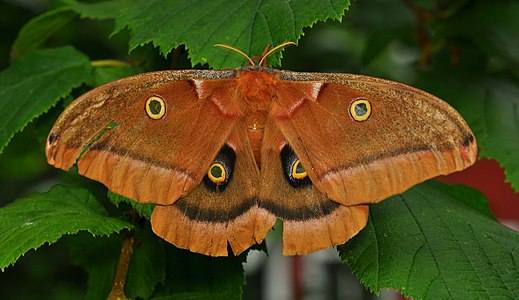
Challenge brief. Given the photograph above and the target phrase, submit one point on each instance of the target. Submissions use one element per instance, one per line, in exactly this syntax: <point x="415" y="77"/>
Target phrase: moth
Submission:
<point x="224" y="153"/>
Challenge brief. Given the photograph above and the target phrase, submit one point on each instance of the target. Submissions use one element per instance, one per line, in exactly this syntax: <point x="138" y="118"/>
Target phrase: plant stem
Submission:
<point x="109" y="63"/>
<point x="422" y="17"/>
<point x="117" y="291"/>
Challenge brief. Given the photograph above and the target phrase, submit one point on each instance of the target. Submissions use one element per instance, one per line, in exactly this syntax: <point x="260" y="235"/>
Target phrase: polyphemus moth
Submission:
<point x="224" y="153"/>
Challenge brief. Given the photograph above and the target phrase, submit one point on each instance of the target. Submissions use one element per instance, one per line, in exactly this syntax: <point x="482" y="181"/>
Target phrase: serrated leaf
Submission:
<point x="147" y="266"/>
<point x="34" y="34"/>
<point x="246" y="25"/>
<point x="100" y="10"/>
<point x="33" y="84"/>
<point x="99" y="257"/>
<point x="194" y="276"/>
<point x="494" y="116"/>
<point x="43" y="218"/>
<point x="143" y="209"/>
<point x="429" y="245"/>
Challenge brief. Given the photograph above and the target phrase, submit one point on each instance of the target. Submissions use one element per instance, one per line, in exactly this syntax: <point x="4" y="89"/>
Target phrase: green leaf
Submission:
<point x="472" y="198"/>
<point x="494" y="117"/>
<point x="33" y="84"/>
<point x="101" y="10"/>
<point x="43" y="218"/>
<point x="104" y="75"/>
<point x="492" y="25"/>
<point x="34" y="34"/>
<point x="195" y="276"/>
<point x="143" y="209"/>
<point x="147" y="266"/>
<point x="429" y="245"/>
<point x="99" y="257"/>
<point x="246" y="25"/>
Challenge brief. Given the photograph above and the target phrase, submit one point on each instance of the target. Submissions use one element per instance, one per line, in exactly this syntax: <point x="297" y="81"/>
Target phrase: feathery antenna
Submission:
<point x="263" y="58"/>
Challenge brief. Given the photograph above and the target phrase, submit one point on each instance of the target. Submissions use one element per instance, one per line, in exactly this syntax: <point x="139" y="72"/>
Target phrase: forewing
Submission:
<point x="142" y="158"/>
<point x="410" y="136"/>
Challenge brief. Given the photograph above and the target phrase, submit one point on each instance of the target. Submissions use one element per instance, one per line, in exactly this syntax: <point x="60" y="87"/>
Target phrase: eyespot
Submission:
<point x="360" y="109"/>
<point x="216" y="173"/>
<point x="293" y="169"/>
<point x="155" y="107"/>
<point x="219" y="174"/>
<point x="298" y="170"/>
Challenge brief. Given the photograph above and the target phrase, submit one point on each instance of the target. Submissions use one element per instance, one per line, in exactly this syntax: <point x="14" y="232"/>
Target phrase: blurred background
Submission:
<point x="443" y="47"/>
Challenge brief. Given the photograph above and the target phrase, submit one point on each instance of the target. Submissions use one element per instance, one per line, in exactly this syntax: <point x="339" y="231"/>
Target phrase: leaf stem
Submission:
<point x="109" y="63"/>
<point x="425" y="38"/>
<point x="422" y="17"/>
<point x="117" y="291"/>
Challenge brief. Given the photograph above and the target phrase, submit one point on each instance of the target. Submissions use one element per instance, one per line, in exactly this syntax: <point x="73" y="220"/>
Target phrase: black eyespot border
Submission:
<point x="227" y="158"/>
<point x="288" y="159"/>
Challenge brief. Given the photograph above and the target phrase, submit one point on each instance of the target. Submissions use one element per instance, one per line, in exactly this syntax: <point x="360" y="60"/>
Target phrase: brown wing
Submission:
<point x="146" y="159"/>
<point x="409" y="137"/>
<point x="311" y="221"/>
<point x="214" y="216"/>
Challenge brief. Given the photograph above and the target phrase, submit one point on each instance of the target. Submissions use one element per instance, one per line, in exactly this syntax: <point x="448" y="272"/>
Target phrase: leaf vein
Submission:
<point x="427" y="243"/>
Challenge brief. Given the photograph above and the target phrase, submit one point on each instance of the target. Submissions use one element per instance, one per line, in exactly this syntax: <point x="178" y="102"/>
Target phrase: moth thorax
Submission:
<point x="256" y="88"/>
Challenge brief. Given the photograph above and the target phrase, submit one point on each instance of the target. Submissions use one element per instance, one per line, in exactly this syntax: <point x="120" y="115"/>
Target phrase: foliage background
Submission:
<point x="465" y="52"/>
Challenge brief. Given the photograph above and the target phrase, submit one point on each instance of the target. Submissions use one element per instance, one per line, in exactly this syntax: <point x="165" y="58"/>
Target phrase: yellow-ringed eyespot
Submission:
<point x="298" y="170"/>
<point x="216" y="173"/>
<point x="219" y="174"/>
<point x="155" y="107"/>
<point x="294" y="171"/>
<point x="360" y="109"/>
